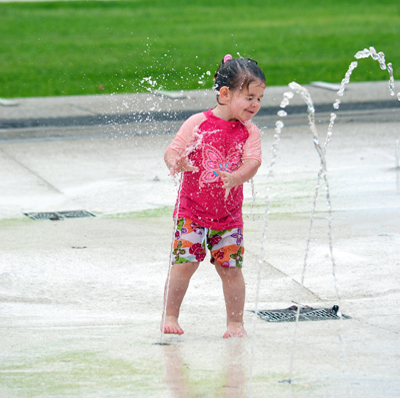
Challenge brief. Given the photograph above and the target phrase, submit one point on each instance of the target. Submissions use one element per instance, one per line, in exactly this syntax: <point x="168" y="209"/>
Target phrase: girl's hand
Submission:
<point x="246" y="171"/>
<point x="228" y="181"/>
<point x="182" y="164"/>
<point x="177" y="163"/>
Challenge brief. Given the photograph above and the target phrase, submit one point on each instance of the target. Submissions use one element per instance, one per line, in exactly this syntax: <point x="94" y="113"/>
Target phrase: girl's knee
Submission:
<point x="185" y="268"/>
<point x="229" y="272"/>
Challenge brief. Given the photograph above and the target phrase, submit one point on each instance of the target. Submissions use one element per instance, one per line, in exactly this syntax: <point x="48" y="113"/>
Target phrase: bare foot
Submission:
<point x="171" y="326"/>
<point x="235" y="329"/>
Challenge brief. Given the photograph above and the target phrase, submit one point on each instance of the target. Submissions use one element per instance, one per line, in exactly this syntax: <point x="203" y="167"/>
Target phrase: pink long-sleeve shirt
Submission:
<point x="213" y="144"/>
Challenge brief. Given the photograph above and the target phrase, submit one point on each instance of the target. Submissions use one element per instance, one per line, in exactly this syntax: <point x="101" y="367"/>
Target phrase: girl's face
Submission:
<point x="245" y="103"/>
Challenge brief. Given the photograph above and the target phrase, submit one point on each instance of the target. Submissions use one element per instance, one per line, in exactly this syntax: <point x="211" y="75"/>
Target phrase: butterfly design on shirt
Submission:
<point x="214" y="162"/>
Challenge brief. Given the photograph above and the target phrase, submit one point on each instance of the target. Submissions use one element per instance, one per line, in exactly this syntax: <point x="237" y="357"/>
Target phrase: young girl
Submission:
<point x="218" y="151"/>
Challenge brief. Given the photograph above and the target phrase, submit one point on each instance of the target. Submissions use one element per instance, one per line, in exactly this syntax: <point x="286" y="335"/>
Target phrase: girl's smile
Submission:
<point x="242" y="104"/>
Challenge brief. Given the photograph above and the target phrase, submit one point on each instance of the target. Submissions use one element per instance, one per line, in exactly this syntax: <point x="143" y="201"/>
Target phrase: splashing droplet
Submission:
<point x="282" y="113"/>
<point x="391" y="78"/>
<point x="336" y="104"/>
<point x="284" y="103"/>
<point x="362" y="54"/>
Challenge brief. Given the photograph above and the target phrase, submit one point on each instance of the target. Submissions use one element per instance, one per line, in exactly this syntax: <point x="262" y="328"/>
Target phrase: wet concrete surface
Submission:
<point x="81" y="299"/>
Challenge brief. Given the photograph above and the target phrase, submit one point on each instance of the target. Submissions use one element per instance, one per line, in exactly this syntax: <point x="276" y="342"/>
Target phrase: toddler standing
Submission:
<point x="218" y="150"/>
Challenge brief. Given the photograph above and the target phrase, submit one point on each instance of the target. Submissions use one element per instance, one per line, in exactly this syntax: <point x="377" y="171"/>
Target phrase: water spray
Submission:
<point x="322" y="174"/>
<point x="174" y="229"/>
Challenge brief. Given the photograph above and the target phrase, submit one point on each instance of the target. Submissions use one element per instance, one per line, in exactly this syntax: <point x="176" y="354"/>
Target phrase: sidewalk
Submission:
<point x="81" y="299"/>
<point x="198" y="100"/>
<point x="137" y="114"/>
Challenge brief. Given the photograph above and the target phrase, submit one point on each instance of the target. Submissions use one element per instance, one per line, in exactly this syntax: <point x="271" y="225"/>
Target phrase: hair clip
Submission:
<point x="227" y="57"/>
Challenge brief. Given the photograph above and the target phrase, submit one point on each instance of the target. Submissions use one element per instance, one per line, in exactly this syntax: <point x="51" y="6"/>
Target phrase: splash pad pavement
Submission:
<point x="81" y="298"/>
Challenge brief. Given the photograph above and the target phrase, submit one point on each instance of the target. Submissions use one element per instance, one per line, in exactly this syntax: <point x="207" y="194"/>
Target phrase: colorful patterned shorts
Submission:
<point x="190" y="244"/>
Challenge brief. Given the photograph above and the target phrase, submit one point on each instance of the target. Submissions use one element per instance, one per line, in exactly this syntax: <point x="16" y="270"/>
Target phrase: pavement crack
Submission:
<point x="374" y="326"/>
<point x="48" y="184"/>
<point x="288" y="276"/>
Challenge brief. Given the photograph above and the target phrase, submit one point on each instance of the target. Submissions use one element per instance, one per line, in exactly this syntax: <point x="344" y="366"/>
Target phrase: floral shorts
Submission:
<point x="191" y="240"/>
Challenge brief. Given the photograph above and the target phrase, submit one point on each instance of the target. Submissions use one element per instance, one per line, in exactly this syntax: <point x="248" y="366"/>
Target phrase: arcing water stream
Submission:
<point x="322" y="174"/>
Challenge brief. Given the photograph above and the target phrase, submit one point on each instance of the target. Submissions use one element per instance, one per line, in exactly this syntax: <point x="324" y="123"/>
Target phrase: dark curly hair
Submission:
<point x="237" y="73"/>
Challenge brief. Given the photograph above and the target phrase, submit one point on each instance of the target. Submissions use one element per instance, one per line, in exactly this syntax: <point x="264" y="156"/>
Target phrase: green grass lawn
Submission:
<point x="89" y="47"/>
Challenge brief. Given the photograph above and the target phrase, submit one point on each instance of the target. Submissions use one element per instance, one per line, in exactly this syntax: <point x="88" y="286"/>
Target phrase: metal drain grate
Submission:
<point x="306" y="314"/>
<point x="59" y="215"/>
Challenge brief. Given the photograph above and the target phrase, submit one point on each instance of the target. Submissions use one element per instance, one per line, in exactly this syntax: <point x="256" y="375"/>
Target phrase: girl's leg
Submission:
<point x="178" y="284"/>
<point x="234" y="292"/>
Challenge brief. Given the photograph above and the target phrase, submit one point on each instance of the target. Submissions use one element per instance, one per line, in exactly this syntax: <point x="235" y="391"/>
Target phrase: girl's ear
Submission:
<point x="224" y="94"/>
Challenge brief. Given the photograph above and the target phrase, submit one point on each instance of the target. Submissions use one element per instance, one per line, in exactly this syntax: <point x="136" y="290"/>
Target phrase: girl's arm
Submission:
<point x="246" y="171"/>
<point x="181" y="143"/>
<point x="177" y="163"/>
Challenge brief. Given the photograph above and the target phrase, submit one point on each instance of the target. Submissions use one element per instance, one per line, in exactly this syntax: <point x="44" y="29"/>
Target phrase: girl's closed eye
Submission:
<point x="252" y="98"/>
